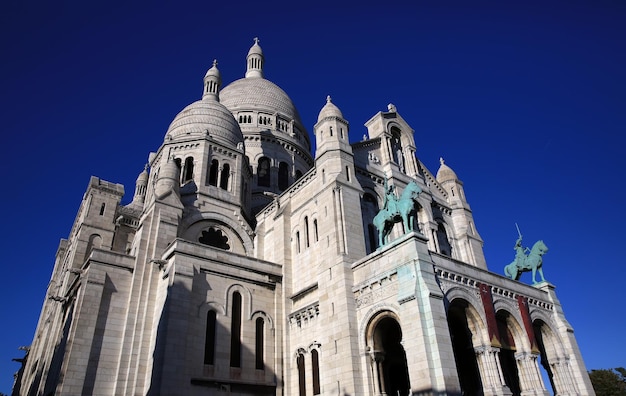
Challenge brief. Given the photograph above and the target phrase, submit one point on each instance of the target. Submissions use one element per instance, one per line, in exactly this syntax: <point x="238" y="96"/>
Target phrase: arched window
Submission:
<point x="298" y="241"/>
<point x="442" y="239"/>
<point x="213" y="236"/>
<point x="102" y="207"/>
<point x="259" y="348"/>
<point x="315" y="367"/>
<point x="301" y="375"/>
<point x="213" y="172"/>
<point x="306" y="231"/>
<point x="235" y="332"/>
<point x="283" y="176"/>
<point x="315" y="233"/>
<point x="369" y="209"/>
<point x="188" y="172"/>
<point x="397" y="149"/>
<point x="224" y="177"/>
<point x="209" y="341"/>
<point x="263" y="172"/>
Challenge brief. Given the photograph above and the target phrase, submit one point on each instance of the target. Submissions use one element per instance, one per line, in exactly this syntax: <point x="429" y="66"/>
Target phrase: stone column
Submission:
<point x="488" y="359"/>
<point x="530" y="379"/>
<point x="562" y="377"/>
<point x="376" y="360"/>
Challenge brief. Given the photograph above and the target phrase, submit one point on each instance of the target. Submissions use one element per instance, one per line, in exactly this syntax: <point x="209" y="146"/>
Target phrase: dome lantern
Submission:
<point x="212" y="83"/>
<point x="255" y="61"/>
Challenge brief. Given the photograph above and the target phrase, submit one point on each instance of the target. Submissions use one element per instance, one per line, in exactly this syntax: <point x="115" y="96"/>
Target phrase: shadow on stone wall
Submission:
<point x="181" y="318"/>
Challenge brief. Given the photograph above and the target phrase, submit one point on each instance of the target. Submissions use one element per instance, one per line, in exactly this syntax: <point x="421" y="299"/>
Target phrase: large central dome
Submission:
<point x="276" y="143"/>
<point x="259" y="94"/>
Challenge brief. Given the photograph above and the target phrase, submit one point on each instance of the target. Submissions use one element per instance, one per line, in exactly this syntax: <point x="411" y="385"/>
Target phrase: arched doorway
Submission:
<point x="547" y="349"/>
<point x="463" y="347"/>
<point x="507" y="353"/>
<point x="388" y="356"/>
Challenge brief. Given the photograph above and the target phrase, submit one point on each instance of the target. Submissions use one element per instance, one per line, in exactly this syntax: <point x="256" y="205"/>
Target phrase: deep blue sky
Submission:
<point x="526" y="101"/>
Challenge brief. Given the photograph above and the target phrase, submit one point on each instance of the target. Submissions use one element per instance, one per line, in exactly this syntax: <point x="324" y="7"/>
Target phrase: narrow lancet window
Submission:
<point x="301" y="375"/>
<point x="235" y="332"/>
<point x="315" y="363"/>
<point x="209" y="341"/>
<point x="306" y="231"/>
<point x="259" y="348"/>
<point x="213" y="173"/>
<point x="263" y="172"/>
<point x="188" y="172"/>
<point x="224" y="177"/>
<point x="283" y="176"/>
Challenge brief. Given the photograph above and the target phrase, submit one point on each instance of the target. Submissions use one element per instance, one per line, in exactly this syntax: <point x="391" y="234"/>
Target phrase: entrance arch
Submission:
<point x="463" y="347"/>
<point x="389" y="367"/>
<point x="508" y="362"/>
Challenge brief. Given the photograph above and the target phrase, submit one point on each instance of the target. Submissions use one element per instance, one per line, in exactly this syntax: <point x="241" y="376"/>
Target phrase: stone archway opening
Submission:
<point x="507" y="353"/>
<point x="389" y="357"/>
<point x="546" y="352"/>
<point x="463" y="347"/>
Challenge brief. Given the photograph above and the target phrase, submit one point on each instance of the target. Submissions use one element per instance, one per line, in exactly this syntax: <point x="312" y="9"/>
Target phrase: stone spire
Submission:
<point x="212" y="83"/>
<point x="255" y="60"/>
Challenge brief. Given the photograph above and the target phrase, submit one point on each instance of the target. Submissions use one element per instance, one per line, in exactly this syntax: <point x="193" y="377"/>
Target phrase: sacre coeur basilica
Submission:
<point x="249" y="263"/>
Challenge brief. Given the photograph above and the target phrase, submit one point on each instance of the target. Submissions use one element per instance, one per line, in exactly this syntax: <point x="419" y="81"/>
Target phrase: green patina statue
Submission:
<point x="395" y="209"/>
<point x="524" y="263"/>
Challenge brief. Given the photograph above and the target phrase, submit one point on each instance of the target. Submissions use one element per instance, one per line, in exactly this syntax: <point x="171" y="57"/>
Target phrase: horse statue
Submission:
<point x="395" y="209"/>
<point x="523" y="263"/>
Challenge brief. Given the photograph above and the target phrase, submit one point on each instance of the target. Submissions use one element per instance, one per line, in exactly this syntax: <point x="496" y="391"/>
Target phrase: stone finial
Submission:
<point x="441" y="161"/>
<point x="328" y="100"/>
<point x="391" y="107"/>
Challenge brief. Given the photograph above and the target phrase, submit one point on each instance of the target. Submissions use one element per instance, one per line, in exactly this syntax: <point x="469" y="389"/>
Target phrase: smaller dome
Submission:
<point x="143" y="176"/>
<point x="256" y="48"/>
<point x="445" y="173"/>
<point x="213" y="71"/>
<point x="206" y="117"/>
<point x="329" y="110"/>
<point x="168" y="179"/>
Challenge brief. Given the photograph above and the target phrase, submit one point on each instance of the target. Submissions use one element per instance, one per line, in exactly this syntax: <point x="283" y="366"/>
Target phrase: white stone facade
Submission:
<point x="246" y="264"/>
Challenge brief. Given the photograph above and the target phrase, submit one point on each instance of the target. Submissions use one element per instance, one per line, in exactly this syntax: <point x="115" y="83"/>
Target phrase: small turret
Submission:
<point x="212" y="83"/>
<point x="469" y="241"/>
<point x="331" y="130"/>
<point x="255" y="61"/>
<point x="168" y="179"/>
<point x="141" y="186"/>
<point x="450" y="181"/>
